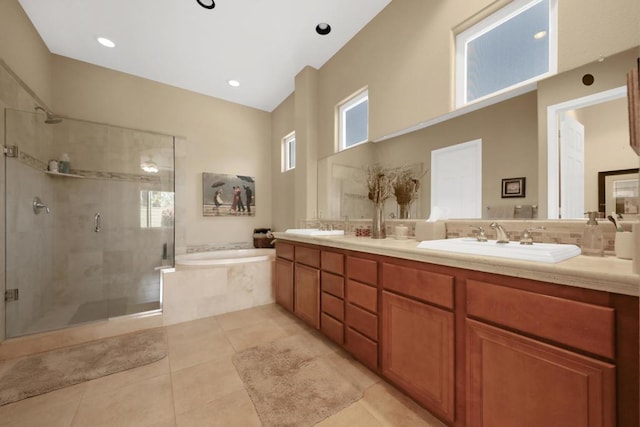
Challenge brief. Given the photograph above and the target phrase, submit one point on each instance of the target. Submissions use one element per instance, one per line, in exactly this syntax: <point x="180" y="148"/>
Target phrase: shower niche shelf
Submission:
<point x="67" y="175"/>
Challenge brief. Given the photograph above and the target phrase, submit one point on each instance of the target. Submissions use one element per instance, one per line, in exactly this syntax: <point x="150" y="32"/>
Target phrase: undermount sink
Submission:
<point x="315" y="232"/>
<point x="539" y="252"/>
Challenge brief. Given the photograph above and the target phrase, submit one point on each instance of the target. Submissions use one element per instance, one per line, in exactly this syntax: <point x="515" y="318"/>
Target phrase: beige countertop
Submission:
<point x="609" y="274"/>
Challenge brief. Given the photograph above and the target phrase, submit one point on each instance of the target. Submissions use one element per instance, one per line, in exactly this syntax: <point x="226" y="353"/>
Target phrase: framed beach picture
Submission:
<point x="618" y="193"/>
<point x="228" y="195"/>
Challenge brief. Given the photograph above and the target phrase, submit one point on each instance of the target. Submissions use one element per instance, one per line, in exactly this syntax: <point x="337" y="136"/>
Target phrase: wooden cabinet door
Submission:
<point x="284" y="283"/>
<point x="517" y="381"/>
<point x="417" y="351"/>
<point x="307" y="295"/>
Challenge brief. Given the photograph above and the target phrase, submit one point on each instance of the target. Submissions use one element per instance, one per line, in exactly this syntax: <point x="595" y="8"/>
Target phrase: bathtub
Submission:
<point x="205" y="284"/>
<point x="226" y="257"/>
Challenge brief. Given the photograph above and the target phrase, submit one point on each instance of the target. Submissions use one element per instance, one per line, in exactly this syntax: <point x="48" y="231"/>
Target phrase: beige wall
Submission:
<point x="222" y="137"/>
<point x="405" y="56"/>
<point x="606" y="144"/>
<point x="283" y="188"/>
<point x="608" y="74"/>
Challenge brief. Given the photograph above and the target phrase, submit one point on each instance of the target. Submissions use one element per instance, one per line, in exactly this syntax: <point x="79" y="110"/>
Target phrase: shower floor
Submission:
<point x="70" y="315"/>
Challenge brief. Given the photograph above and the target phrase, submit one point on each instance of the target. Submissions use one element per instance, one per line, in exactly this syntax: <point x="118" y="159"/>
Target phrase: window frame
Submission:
<point x="355" y="100"/>
<point x="288" y="161"/>
<point x="488" y="24"/>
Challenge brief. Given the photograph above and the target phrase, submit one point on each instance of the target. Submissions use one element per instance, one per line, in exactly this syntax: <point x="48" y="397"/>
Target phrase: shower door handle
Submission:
<point x="96" y="220"/>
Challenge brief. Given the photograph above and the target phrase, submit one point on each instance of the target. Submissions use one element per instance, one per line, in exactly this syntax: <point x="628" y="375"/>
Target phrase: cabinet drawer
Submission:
<point x="333" y="262"/>
<point x="363" y="270"/>
<point x="362" y="348"/>
<point x="332" y="328"/>
<point x="332" y="284"/>
<point x="284" y="250"/>
<point x="424" y="285"/>
<point x="580" y="325"/>
<point x="362" y="295"/>
<point x="308" y="256"/>
<point x="333" y="306"/>
<point x="362" y="321"/>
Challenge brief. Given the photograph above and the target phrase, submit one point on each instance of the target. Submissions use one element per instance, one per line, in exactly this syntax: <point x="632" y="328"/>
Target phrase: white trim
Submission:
<point x="489" y="23"/>
<point x="286" y="160"/>
<point x="359" y="98"/>
<point x="553" y="172"/>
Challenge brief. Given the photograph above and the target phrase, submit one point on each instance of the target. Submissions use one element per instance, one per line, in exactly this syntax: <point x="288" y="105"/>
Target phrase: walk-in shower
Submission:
<point x="86" y="244"/>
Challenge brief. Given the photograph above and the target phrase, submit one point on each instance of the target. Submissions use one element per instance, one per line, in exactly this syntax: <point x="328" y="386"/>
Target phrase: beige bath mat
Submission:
<point x="291" y="386"/>
<point x="51" y="370"/>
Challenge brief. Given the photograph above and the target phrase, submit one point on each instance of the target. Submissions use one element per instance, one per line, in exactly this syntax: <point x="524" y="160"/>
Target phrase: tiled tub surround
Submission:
<point x="564" y="231"/>
<point x="71" y="270"/>
<point x="195" y="292"/>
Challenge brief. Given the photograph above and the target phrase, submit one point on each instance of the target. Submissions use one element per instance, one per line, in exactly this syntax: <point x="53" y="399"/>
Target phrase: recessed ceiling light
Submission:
<point x="106" y="42"/>
<point x="233" y="83"/>
<point x="540" y="35"/>
<point x="208" y="4"/>
<point x="323" y="28"/>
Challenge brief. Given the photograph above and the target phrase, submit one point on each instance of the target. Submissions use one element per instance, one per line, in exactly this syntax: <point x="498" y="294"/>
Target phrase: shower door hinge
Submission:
<point x="11" y="150"/>
<point x="11" y="295"/>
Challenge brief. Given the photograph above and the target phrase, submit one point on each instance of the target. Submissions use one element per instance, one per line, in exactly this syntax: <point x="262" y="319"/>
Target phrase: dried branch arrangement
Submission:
<point x="380" y="182"/>
<point x="405" y="186"/>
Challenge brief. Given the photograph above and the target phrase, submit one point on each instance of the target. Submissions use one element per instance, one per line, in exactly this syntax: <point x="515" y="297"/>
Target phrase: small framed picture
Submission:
<point x="513" y="187"/>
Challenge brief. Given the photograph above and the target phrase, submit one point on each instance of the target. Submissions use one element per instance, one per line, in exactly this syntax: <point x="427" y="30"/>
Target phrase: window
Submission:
<point x="353" y="118"/>
<point x="512" y="48"/>
<point x="289" y="151"/>
<point x="156" y="209"/>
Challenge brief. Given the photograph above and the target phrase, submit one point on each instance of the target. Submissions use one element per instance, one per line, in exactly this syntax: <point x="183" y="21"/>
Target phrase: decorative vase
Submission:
<point x="404" y="210"/>
<point x="378" y="229"/>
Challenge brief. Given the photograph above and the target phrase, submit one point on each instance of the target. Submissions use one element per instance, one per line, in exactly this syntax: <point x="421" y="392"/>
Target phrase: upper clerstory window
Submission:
<point x="514" y="47"/>
<point x="289" y="148"/>
<point x="353" y="118"/>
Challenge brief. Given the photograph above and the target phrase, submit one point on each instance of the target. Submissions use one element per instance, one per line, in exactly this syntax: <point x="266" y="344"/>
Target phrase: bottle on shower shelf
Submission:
<point x="64" y="165"/>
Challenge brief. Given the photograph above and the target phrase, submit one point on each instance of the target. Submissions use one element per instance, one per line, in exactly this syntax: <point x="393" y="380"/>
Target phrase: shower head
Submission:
<point x="51" y="118"/>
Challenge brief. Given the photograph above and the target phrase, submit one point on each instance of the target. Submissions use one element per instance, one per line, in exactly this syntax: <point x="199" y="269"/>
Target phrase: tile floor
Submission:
<point x="197" y="384"/>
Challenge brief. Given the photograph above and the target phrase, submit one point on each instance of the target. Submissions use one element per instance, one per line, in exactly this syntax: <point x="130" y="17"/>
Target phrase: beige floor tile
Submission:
<point x="145" y="403"/>
<point x="194" y="349"/>
<point x="131" y="376"/>
<point x="355" y="415"/>
<point x="198" y="385"/>
<point x="361" y="377"/>
<point x="51" y="409"/>
<point x="193" y="328"/>
<point x="392" y="408"/>
<point x="317" y="343"/>
<point x="243" y="318"/>
<point x="234" y="409"/>
<point x="255" y="334"/>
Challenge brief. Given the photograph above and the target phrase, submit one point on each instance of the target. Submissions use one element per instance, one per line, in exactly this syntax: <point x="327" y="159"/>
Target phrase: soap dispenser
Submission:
<point x="592" y="243"/>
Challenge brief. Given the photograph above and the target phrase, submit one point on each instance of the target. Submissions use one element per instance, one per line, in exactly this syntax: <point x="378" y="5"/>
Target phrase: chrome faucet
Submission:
<point x="481" y="236"/>
<point x="526" y="238"/>
<point x="501" y="235"/>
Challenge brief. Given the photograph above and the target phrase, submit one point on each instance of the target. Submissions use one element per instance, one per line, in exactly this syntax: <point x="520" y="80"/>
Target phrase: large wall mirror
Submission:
<point x="514" y="145"/>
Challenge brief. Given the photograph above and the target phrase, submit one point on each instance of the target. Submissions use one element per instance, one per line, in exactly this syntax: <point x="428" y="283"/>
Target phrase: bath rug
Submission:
<point x="44" y="372"/>
<point x="290" y="385"/>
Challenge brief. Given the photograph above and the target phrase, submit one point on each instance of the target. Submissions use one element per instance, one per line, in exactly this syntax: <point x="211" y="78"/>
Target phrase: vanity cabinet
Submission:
<point x="361" y="311"/>
<point x="284" y="275"/>
<point x="306" y="285"/>
<point x="332" y="295"/>
<point x="537" y="359"/>
<point x="474" y="348"/>
<point x="417" y="327"/>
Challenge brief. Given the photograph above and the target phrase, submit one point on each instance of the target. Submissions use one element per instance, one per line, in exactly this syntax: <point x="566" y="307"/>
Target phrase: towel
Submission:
<point x="500" y="212"/>
<point x="523" y="211"/>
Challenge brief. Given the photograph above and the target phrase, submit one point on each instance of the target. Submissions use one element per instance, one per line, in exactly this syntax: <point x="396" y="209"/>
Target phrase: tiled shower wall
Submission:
<point x="58" y="259"/>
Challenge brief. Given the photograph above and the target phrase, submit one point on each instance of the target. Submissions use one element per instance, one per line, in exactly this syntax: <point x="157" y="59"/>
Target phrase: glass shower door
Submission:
<point x="93" y="249"/>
